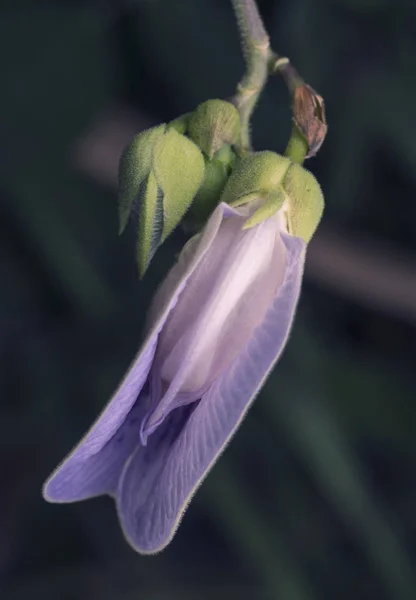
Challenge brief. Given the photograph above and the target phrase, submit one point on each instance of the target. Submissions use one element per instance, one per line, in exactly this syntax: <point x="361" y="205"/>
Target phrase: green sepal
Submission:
<point x="213" y="124"/>
<point x="254" y="176"/>
<point x="253" y="196"/>
<point x="179" y="168"/>
<point x="226" y="156"/>
<point x="305" y="202"/>
<point x="150" y="221"/>
<point x="135" y="166"/>
<point x="208" y="195"/>
<point x="180" y="124"/>
<point x="270" y="206"/>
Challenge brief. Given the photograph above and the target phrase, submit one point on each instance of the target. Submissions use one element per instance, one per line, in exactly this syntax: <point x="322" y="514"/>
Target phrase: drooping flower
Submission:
<point x="217" y="326"/>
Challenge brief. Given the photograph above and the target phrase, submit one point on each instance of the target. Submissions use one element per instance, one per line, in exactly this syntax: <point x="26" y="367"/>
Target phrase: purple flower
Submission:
<point x="217" y="326"/>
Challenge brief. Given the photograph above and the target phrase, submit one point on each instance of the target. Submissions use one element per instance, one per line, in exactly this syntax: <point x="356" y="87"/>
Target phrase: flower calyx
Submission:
<point x="271" y="182"/>
<point x="160" y="173"/>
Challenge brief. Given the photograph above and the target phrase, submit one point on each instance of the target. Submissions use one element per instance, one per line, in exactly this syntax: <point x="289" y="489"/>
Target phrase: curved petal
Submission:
<point x="88" y="461"/>
<point x="82" y="478"/>
<point x="150" y="519"/>
<point x="224" y="300"/>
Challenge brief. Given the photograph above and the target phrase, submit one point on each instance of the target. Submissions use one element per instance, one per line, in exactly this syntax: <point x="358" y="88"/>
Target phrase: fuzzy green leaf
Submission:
<point x="150" y="221"/>
<point x="213" y="124"/>
<point x="270" y="206"/>
<point x="305" y="201"/>
<point x="180" y="124"/>
<point x="179" y="168"/>
<point x="135" y="166"/>
<point x="255" y="175"/>
<point x="208" y="195"/>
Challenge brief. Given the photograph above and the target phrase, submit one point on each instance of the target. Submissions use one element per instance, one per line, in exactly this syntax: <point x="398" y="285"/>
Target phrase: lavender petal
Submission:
<point x="150" y="515"/>
<point x="94" y="466"/>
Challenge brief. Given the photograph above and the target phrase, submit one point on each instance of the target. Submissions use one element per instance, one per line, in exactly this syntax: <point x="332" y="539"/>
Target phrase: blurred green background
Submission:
<point x="315" y="496"/>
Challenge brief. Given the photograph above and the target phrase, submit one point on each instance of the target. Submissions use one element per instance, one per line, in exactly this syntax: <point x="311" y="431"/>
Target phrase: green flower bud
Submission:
<point x="213" y="124"/>
<point x="135" y="166"/>
<point x="179" y="169"/>
<point x="305" y="202"/>
<point x="254" y="177"/>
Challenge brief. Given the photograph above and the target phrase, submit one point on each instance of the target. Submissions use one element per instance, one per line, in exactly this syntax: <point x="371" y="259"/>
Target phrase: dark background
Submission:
<point x="315" y="496"/>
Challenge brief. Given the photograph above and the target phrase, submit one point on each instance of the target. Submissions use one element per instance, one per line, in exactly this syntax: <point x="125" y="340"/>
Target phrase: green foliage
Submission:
<point x="206" y="199"/>
<point x="272" y="178"/>
<point x="135" y="166"/>
<point x="255" y="175"/>
<point x="161" y="171"/>
<point x="180" y="124"/>
<point x="272" y="203"/>
<point x="150" y="221"/>
<point x="179" y="168"/>
<point x="213" y="124"/>
<point x="305" y="201"/>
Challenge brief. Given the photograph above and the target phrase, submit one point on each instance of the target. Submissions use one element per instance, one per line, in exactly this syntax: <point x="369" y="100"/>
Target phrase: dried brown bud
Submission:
<point x="309" y="115"/>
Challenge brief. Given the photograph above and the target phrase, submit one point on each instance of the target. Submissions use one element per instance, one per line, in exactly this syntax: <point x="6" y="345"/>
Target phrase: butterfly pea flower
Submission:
<point x="217" y="326"/>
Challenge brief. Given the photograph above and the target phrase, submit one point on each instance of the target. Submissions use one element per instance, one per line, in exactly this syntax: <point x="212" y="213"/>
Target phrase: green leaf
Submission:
<point x="213" y="124"/>
<point x="180" y="124"/>
<point x="135" y="166"/>
<point x="271" y="205"/>
<point x="306" y="201"/>
<point x="150" y="221"/>
<point x="179" y="168"/>
<point x="255" y="175"/>
<point x="209" y="193"/>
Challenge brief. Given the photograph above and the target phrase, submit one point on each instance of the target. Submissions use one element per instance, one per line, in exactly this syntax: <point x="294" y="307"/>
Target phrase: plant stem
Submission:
<point x="309" y="124"/>
<point x="256" y="49"/>
<point x="297" y="147"/>
<point x="308" y="112"/>
<point x="284" y="67"/>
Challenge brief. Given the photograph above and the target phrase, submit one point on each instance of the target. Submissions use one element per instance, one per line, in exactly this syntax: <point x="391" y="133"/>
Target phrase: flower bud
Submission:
<point x="305" y="202"/>
<point x="213" y="124"/>
<point x="309" y="115"/>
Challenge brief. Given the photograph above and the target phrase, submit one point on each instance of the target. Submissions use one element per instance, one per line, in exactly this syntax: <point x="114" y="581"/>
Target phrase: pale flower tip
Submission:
<point x="48" y="491"/>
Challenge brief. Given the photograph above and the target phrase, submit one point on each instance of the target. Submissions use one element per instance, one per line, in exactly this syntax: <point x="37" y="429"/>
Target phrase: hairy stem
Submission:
<point x="284" y="67"/>
<point x="297" y="147"/>
<point x="256" y="49"/>
<point x="309" y="124"/>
